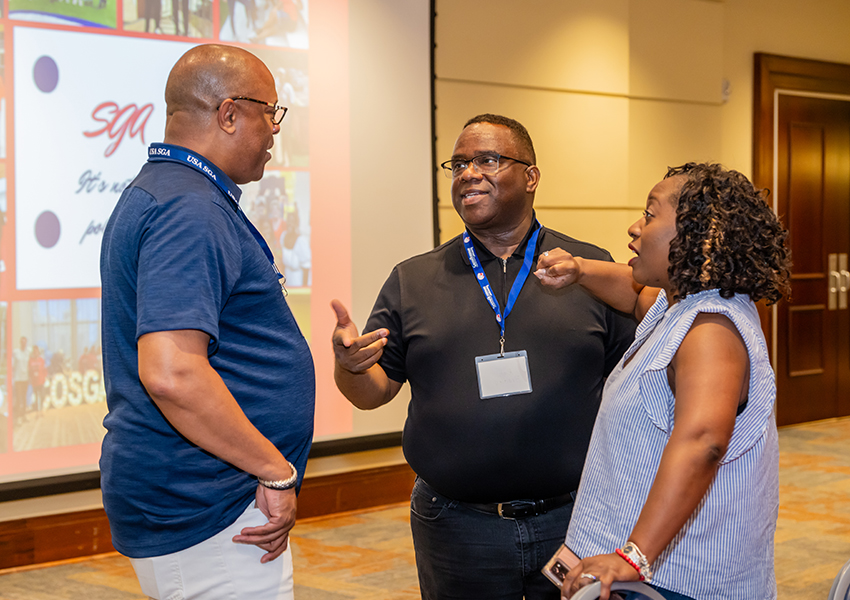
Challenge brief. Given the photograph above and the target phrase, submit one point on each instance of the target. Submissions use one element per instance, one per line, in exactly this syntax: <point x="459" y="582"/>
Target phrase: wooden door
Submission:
<point x="813" y="199"/>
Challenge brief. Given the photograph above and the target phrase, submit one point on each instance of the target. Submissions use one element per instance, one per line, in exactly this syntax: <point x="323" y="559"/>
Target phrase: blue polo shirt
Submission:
<point x="178" y="255"/>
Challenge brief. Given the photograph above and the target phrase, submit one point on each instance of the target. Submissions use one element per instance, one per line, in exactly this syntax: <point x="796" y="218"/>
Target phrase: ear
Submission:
<point x="226" y="116"/>
<point x="532" y="175"/>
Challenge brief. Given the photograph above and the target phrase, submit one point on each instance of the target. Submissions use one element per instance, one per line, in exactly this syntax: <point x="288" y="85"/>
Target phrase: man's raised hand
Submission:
<point x="352" y="352"/>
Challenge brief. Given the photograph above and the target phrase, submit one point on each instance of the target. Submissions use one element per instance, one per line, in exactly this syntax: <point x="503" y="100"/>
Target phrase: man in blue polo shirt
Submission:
<point x="209" y="381"/>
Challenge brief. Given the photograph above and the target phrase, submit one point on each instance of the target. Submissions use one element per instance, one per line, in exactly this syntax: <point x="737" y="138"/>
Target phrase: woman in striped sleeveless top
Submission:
<point x="680" y="485"/>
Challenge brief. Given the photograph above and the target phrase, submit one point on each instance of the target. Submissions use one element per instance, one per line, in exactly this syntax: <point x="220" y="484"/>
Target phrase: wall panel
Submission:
<point x="580" y="44"/>
<point x="676" y="49"/>
<point x="574" y="134"/>
<point x="666" y="134"/>
<point x="605" y="228"/>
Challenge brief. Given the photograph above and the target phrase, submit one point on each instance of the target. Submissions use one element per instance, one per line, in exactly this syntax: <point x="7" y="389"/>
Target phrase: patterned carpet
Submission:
<point x="360" y="556"/>
<point x="813" y="532"/>
<point x="369" y="555"/>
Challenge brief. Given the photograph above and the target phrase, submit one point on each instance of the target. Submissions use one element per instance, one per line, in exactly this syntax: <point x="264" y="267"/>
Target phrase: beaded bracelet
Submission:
<point x="622" y="555"/>
<point x="281" y="484"/>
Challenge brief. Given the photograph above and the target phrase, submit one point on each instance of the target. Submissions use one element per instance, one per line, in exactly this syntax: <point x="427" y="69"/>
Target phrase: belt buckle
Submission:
<point x="501" y="513"/>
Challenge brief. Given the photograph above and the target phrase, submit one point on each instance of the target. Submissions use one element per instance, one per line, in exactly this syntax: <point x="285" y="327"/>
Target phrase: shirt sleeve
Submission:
<point x="751" y="424"/>
<point x="189" y="261"/>
<point x="386" y="314"/>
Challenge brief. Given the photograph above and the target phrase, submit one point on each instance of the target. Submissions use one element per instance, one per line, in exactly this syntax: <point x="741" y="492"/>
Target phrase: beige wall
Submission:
<point x="614" y="91"/>
<point x="391" y="200"/>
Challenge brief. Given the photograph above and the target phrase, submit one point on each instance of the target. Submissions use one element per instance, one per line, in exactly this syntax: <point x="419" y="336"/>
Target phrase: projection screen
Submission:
<point x="346" y="196"/>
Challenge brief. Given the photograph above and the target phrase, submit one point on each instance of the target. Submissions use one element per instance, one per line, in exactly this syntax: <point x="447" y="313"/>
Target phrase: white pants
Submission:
<point x="218" y="569"/>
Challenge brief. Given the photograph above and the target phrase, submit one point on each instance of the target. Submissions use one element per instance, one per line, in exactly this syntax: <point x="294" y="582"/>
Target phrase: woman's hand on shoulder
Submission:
<point x="606" y="568"/>
<point x="557" y="268"/>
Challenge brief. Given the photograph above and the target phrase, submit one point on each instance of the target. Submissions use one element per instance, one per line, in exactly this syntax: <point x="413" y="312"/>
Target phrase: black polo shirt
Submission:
<point x="529" y="446"/>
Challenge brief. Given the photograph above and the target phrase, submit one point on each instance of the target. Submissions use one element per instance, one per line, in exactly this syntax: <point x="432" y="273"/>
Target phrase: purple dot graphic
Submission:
<point x="47" y="229"/>
<point x="46" y="74"/>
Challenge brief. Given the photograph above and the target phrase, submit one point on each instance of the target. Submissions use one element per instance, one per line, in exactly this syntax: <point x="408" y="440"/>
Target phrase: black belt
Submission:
<point x="520" y="509"/>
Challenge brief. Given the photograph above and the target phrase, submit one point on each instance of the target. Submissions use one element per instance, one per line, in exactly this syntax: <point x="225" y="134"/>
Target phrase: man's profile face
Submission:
<point x="256" y="130"/>
<point x="23" y="343"/>
<point x="495" y="201"/>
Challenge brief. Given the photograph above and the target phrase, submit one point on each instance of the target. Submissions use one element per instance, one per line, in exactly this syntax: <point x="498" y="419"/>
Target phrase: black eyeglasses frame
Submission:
<point x="276" y="107"/>
<point x="449" y="171"/>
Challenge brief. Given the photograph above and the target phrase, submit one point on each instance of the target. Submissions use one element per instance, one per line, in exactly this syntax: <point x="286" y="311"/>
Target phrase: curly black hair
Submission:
<point x="728" y="238"/>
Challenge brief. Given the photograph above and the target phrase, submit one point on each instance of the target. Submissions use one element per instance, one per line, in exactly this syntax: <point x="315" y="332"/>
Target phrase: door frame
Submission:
<point x="775" y="74"/>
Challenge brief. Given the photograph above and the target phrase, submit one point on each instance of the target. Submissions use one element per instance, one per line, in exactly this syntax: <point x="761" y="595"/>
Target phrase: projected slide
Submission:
<point x="105" y="124"/>
<point x="79" y="104"/>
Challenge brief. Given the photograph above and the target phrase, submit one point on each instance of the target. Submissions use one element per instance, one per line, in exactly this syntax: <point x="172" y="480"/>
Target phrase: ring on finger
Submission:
<point x="589" y="576"/>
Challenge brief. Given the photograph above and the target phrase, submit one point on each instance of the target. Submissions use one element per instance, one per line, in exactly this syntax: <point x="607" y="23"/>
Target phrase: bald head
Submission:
<point x="202" y="112"/>
<point x="207" y="74"/>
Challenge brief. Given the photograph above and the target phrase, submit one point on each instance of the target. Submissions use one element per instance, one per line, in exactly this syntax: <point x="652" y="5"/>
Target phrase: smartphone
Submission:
<point x="559" y="565"/>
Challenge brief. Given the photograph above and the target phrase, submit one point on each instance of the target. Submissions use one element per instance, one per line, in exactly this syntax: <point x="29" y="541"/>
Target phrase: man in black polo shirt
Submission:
<point x="506" y="377"/>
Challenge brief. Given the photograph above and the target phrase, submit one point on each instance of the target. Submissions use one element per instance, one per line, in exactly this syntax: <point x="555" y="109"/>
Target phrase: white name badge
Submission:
<point x="506" y="375"/>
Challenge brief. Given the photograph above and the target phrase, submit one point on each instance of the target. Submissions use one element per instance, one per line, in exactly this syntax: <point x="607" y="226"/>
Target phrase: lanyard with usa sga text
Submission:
<point x="158" y="152"/>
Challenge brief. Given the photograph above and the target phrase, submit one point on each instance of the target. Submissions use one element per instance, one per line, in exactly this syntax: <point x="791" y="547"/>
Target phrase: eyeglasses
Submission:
<point x="279" y="111"/>
<point x="485" y="164"/>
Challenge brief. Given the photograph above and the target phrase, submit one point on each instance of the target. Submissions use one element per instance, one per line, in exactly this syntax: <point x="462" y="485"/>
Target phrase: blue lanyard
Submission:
<point x="521" y="277"/>
<point x="170" y="153"/>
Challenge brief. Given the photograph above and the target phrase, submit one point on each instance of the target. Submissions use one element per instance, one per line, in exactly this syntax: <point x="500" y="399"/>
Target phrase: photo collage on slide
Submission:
<point x="81" y="98"/>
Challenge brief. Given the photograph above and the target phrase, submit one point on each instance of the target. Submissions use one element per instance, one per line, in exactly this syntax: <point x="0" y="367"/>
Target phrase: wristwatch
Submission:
<point x="281" y="484"/>
<point x="635" y="555"/>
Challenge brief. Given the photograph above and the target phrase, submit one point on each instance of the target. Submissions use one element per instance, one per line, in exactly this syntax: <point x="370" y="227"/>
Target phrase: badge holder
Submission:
<point x="503" y="374"/>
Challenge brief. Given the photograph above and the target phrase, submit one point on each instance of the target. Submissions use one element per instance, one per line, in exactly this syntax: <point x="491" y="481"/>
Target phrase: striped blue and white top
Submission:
<point x="725" y="550"/>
